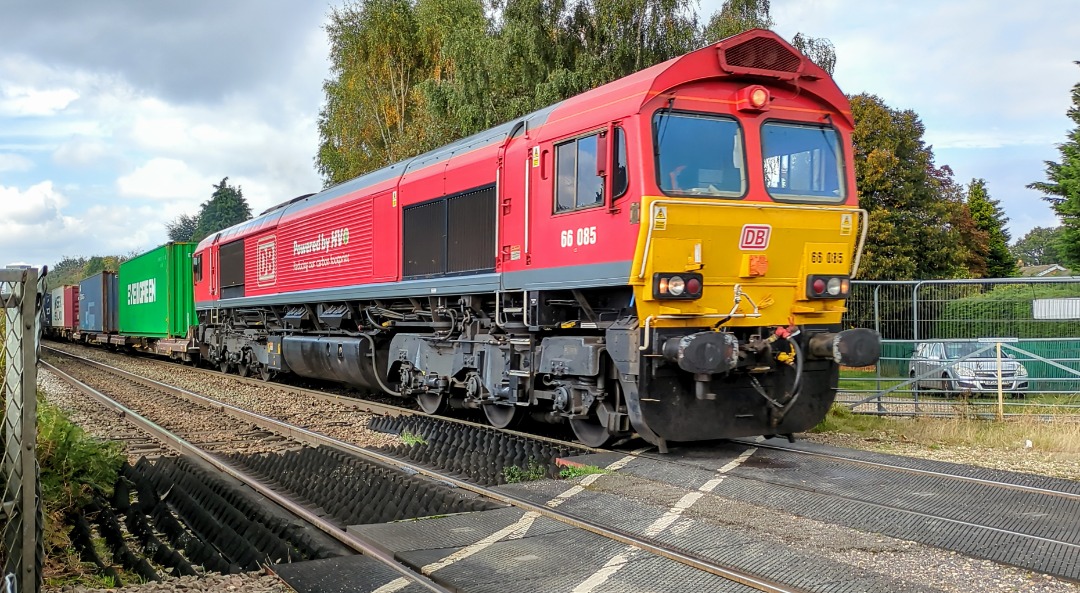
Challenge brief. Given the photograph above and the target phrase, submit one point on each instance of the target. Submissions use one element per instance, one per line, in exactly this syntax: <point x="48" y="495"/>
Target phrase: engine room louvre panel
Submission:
<point x="232" y="269"/>
<point x="471" y="231"/>
<point x="424" y="234"/>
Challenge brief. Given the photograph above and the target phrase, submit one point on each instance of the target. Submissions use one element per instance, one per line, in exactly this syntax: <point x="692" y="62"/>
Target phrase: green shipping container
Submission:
<point x="156" y="296"/>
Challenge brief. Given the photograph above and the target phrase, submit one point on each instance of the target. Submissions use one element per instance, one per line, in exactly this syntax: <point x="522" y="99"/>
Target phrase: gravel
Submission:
<point x="251" y="582"/>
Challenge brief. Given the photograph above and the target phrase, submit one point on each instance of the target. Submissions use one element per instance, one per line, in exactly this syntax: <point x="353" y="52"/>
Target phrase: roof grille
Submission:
<point x="762" y="53"/>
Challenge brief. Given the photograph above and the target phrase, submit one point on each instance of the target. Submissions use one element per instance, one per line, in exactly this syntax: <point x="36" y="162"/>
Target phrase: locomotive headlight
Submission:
<point x="676" y="286"/>
<point x="684" y="286"/>
<point x="834" y="286"/>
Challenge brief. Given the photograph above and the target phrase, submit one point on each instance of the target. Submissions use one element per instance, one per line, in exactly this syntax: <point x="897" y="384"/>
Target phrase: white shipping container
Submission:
<point x="1064" y="308"/>
<point x="57" y="307"/>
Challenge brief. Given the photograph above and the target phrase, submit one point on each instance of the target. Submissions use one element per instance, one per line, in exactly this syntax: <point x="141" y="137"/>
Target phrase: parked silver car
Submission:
<point x="940" y="362"/>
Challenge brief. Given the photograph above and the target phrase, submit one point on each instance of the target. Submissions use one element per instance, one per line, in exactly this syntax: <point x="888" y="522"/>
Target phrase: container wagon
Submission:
<point x="65" y="312"/>
<point x="156" y="306"/>
<point x="98" y="308"/>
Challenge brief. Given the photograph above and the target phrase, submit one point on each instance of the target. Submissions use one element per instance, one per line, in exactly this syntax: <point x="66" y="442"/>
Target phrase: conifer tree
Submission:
<point x="1062" y="186"/>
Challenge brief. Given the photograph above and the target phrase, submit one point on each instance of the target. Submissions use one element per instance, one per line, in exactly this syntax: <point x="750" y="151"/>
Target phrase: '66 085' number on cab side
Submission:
<point x="582" y="236"/>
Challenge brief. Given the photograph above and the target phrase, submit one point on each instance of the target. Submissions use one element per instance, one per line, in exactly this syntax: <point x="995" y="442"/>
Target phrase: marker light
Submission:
<point x="759" y="97"/>
<point x="753" y="98"/>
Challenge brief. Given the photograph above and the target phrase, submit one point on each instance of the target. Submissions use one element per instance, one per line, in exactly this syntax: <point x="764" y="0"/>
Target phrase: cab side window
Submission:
<point x="619" y="182"/>
<point x="577" y="185"/>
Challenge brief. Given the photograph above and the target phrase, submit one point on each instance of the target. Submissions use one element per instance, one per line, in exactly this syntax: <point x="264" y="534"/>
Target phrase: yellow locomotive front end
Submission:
<point x="750" y="234"/>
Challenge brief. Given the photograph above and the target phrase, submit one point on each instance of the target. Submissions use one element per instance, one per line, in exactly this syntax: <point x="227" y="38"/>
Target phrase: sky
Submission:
<point x="116" y="116"/>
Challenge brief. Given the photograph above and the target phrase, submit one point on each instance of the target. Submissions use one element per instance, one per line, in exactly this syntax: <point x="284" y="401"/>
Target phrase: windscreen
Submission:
<point x="699" y="154"/>
<point x="803" y="163"/>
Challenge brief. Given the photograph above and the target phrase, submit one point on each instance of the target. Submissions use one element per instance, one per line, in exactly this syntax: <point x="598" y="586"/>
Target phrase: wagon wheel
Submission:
<point x="266" y="373"/>
<point x="224" y="366"/>
<point x="243" y="369"/>
<point x="504" y="416"/>
<point x="432" y="402"/>
<point x="590" y="432"/>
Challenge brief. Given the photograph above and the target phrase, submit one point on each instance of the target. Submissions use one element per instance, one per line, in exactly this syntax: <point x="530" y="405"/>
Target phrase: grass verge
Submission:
<point x="1045" y="435"/>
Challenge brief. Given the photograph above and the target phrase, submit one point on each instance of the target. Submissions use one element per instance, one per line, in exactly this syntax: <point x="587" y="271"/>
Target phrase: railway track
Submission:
<point x="811" y="485"/>
<point x="269" y="426"/>
<point x="1022" y="520"/>
<point x="220" y="440"/>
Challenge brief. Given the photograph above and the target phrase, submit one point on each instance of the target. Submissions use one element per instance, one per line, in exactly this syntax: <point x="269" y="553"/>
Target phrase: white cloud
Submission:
<point x="164" y="179"/>
<point x="80" y="151"/>
<point x="41" y="226"/>
<point x="19" y="101"/>
<point x="15" y="162"/>
<point x="39" y="204"/>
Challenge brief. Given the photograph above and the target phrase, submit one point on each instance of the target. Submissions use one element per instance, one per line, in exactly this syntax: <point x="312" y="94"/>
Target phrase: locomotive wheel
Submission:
<point x="501" y="416"/>
<point x="590" y="432"/>
<point x="266" y="373"/>
<point x="432" y="403"/>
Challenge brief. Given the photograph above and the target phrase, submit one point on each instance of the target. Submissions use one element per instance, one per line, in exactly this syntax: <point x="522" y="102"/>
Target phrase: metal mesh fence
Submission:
<point x="923" y="324"/>
<point x="21" y="529"/>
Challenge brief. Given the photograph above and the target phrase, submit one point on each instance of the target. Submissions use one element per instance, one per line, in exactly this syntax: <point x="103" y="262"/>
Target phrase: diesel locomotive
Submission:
<point x="668" y="255"/>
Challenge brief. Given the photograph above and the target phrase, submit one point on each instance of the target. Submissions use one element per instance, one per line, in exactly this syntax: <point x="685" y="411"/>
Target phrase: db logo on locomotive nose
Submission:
<point x="755" y="236"/>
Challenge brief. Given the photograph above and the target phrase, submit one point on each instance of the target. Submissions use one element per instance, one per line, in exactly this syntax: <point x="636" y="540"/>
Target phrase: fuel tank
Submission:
<point x="343" y="359"/>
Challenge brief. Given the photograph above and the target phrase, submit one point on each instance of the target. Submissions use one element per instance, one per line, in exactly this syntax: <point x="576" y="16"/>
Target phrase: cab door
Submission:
<point x="572" y="213"/>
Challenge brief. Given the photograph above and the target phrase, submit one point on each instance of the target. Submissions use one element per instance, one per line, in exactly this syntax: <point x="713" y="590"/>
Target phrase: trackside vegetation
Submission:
<point x="74" y="468"/>
<point x="1047" y="438"/>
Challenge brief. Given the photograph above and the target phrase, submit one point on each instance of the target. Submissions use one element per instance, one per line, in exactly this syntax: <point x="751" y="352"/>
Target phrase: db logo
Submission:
<point x="755" y="237"/>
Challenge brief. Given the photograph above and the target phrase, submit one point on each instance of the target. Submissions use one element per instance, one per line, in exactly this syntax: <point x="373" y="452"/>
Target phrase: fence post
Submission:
<point x="1001" y="393"/>
<point x="23" y="545"/>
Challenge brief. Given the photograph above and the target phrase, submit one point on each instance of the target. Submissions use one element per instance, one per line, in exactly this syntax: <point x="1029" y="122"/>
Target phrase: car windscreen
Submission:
<point x="961" y="349"/>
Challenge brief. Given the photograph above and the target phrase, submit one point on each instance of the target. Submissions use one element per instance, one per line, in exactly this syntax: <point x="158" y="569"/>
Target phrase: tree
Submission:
<point x="1039" y="247"/>
<point x="736" y="16"/>
<point x="1063" y="186"/>
<point x="991" y="219"/>
<point x="183" y="228"/>
<point x="375" y="61"/>
<point x="225" y="208"/>
<point x="912" y="203"/>
<point x="411" y="75"/>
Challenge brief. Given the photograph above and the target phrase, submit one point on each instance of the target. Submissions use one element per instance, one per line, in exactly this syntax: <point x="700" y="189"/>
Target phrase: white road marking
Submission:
<point x="616" y="563"/>
<point x="515" y="530"/>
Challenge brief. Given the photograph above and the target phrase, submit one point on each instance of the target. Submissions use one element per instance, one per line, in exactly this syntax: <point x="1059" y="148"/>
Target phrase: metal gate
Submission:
<point x="974" y="347"/>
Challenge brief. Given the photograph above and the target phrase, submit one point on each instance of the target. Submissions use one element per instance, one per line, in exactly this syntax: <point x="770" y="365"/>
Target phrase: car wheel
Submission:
<point x="948" y="386"/>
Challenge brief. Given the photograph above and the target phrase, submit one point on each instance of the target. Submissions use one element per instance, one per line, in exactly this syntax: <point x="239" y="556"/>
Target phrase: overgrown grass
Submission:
<point x="514" y="474"/>
<point x="1047" y="436"/>
<point x="574" y="471"/>
<point x="411" y="439"/>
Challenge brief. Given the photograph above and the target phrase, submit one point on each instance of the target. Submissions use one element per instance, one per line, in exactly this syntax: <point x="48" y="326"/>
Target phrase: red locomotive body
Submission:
<point x="643" y="257"/>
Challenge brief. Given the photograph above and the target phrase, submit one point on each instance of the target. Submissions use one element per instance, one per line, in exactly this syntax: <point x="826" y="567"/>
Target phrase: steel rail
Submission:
<point x="915" y="471"/>
<point x="178" y="443"/>
<point x="317" y="439"/>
